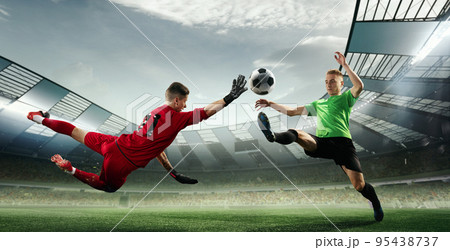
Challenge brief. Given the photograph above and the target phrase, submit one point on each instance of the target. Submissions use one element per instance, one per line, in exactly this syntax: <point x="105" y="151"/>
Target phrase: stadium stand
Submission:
<point x="416" y="195"/>
<point x="407" y="179"/>
<point x="422" y="162"/>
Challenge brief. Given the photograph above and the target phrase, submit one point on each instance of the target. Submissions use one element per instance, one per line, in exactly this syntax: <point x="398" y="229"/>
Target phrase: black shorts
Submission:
<point x="340" y="149"/>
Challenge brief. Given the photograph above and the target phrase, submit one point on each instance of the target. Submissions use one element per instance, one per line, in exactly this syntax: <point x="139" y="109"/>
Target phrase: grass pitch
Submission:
<point x="244" y="219"/>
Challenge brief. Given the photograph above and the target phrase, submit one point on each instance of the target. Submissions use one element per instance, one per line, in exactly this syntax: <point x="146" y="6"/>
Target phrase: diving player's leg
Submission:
<point x="79" y="134"/>
<point x="366" y="190"/>
<point x="61" y="127"/>
<point x="96" y="181"/>
<point x="93" y="180"/>
<point x="38" y="116"/>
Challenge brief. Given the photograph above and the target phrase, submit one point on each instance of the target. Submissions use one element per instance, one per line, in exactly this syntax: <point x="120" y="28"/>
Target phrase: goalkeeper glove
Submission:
<point x="181" y="178"/>
<point x="236" y="90"/>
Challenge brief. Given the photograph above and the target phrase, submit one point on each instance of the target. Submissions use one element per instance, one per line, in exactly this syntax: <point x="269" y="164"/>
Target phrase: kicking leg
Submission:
<point x="61" y="127"/>
<point x="285" y="138"/>
<point x="91" y="179"/>
<point x="301" y="137"/>
<point x="305" y="140"/>
<point x="366" y="190"/>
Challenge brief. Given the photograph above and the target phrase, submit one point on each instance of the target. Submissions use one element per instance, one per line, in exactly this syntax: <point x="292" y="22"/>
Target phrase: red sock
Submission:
<point x="92" y="180"/>
<point x="59" y="126"/>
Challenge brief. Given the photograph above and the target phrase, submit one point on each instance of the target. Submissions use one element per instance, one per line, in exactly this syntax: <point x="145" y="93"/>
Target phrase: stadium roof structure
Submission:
<point x="405" y="103"/>
<point x="401" y="51"/>
<point x="22" y="90"/>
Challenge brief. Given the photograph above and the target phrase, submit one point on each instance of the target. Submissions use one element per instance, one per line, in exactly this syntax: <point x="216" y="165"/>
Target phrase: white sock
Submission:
<point x="73" y="171"/>
<point x="38" y="118"/>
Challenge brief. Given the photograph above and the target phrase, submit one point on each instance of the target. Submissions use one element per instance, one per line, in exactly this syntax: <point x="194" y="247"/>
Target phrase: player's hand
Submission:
<point x="262" y="103"/>
<point x="340" y="58"/>
<point x="238" y="86"/>
<point x="237" y="89"/>
<point x="181" y="178"/>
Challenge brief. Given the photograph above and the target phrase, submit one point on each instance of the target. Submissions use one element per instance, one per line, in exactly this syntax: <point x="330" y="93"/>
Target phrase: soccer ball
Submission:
<point x="261" y="81"/>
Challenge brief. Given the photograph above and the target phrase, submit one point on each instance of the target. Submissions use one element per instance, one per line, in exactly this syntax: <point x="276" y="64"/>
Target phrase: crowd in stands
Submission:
<point x="415" y="195"/>
<point x="426" y="161"/>
<point x="253" y="187"/>
<point x="17" y="196"/>
<point x="392" y="166"/>
<point x="26" y="169"/>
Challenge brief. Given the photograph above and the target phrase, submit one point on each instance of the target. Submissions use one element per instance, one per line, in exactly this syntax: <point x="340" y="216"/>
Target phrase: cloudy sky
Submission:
<point x="91" y="48"/>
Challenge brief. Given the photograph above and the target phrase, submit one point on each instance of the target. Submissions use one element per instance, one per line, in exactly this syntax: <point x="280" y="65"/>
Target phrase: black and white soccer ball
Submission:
<point x="261" y="81"/>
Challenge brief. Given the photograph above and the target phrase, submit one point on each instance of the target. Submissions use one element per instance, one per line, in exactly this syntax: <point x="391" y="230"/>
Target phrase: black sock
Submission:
<point x="287" y="137"/>
<point x="369" y="193"/>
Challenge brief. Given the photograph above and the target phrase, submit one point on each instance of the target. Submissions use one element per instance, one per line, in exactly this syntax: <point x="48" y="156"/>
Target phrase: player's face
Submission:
<point x="180" y="103"/>
<point x="333" y="84"/>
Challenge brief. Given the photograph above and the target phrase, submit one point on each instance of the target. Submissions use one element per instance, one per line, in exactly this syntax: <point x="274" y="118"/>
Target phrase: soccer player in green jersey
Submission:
<point x="332" y="139"/>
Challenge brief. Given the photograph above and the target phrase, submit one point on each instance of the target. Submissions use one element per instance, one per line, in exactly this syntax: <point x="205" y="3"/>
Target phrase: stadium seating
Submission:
<point x="33" y="181"/>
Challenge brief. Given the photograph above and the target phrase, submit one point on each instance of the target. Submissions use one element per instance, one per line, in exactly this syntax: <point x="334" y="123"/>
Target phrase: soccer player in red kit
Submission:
<point x="125" y="153"/>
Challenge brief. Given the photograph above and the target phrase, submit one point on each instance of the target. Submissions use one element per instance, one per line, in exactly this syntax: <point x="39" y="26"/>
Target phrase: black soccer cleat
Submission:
<point x="378" y="214"/>
<point x="264" y="125"/>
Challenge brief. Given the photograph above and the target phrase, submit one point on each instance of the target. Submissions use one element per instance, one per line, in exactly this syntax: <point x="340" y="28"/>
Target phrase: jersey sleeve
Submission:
<point x="193" y="117"/>
<point x="350" y="99"/>
<point x="311" y="108"/>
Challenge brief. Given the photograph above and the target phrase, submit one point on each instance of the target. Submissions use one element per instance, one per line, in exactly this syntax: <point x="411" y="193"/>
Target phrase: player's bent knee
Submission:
<point x="301" y="133"/>
<point x="358" y="186"/>
<point x="79" y="134"/>
<point x="306" y="141"/>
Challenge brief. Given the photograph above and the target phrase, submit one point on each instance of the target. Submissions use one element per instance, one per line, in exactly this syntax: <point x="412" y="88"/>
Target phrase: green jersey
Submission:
<point x="333" y="115"/>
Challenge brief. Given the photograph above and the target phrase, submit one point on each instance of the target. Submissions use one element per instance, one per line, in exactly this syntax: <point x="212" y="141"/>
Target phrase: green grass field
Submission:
<point x="248" y="219"/>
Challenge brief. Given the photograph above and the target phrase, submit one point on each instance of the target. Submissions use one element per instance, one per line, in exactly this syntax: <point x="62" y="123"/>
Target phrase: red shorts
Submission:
<point x="115" y="167"/>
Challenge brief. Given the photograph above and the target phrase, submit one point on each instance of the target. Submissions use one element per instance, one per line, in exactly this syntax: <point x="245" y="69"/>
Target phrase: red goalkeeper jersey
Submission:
<point x="147" y="141"/>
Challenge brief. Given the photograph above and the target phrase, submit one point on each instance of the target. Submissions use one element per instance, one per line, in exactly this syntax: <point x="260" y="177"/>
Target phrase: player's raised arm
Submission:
<point x="181" y="178"/>
<point x="290" y="111"/>
<point x="237" y="89"/>
<point x="354" y="78"/>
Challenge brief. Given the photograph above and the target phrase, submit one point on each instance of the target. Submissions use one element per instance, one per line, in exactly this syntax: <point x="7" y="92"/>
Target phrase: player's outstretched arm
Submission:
<point x="181" y="178"/>
<point x="354" y="78"/>
<point x="237" y="89"/>
<point x="290" y="111"/>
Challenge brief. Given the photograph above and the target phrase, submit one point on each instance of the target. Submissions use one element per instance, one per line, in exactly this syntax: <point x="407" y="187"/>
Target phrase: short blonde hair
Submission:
<point x="336" y="72"/>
